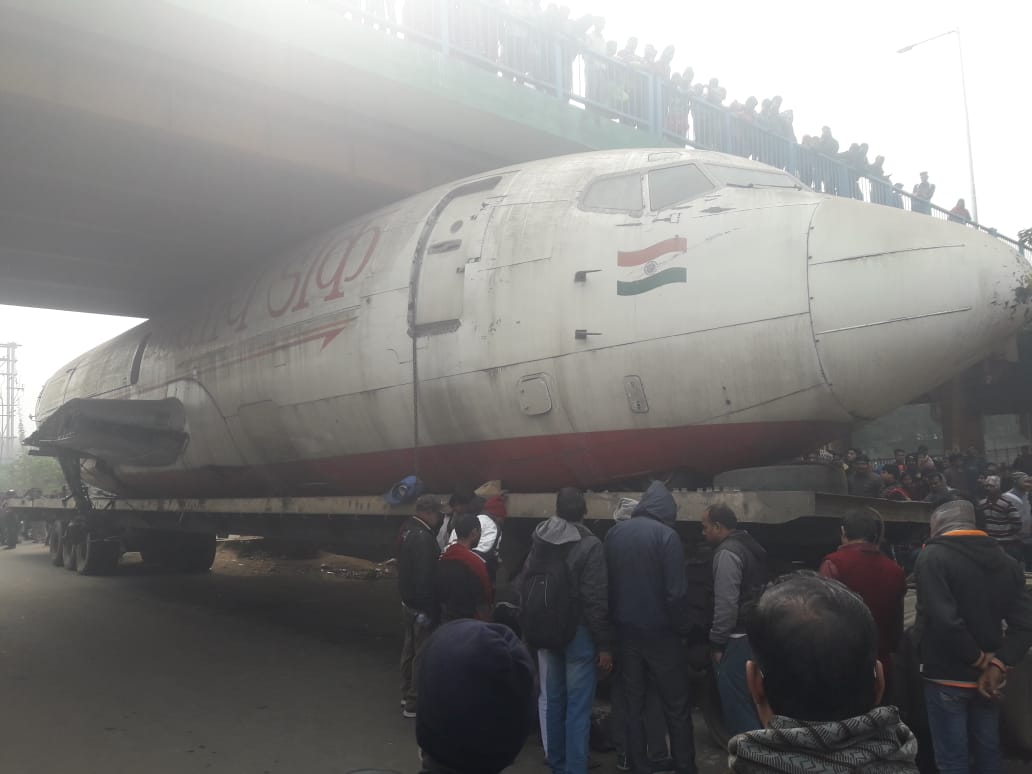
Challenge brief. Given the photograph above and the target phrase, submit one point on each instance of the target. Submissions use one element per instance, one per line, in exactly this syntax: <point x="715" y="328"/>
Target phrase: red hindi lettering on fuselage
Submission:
<point x="337" y="255"/>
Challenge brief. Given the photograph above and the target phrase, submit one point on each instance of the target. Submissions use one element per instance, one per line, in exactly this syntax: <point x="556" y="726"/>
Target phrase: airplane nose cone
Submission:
<point x="901" y="302"/>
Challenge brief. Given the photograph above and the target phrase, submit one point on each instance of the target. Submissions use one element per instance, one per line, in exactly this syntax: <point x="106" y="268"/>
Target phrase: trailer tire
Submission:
<point x="97" y="557"/>
<point x="54" y="546"/>
<point x="69" y="558"/>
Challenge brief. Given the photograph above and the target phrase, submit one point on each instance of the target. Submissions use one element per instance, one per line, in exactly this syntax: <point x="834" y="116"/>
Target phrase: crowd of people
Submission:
<point x="803" y="663"/>
<point x="549" y="49"/>
<point x="999" y="492"/>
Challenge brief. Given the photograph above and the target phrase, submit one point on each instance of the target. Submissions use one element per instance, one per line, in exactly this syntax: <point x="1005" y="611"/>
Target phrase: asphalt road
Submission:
<point x="164" y="674"/>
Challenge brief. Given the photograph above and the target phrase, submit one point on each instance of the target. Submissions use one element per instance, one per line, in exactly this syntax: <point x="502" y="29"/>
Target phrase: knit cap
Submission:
<point x="476" y="701"/>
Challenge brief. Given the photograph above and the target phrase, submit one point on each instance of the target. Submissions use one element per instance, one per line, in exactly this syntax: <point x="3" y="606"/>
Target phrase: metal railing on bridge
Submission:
<point x="534" y="51"/>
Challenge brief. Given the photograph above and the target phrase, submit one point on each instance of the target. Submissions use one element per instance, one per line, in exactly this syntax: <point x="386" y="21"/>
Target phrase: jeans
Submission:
<point x="659" y="660"/>
<point x="735" y="699"/>
<point x="570" y="690"/>
<point x="963" y="724"/>
<point x="416" y="635"/>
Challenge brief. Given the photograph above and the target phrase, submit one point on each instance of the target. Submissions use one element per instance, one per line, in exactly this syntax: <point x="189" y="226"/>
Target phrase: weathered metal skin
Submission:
<point x="579" y="320"/>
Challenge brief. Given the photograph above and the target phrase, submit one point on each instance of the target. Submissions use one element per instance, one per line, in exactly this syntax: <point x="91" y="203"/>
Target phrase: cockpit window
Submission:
<point x="674" y="185"/>
<point x="745" y="177"/>
<point x="615" y="193"/>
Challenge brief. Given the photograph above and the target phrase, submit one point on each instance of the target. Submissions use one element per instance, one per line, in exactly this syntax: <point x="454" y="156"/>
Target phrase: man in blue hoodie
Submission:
<point x="647" y="603"/>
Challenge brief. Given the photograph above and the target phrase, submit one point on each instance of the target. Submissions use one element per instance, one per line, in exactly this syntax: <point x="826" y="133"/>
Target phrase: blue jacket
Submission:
<point x="646" y="569"/>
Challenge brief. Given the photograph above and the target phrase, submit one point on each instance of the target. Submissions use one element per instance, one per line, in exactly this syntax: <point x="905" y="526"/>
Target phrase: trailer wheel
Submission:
<point x="54" y="546"/>
<point x="97" y="557"/>
<point x="69" y="559"/>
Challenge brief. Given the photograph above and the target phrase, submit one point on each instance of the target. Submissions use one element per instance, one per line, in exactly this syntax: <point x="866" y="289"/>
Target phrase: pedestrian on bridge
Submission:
<point x="959" y="213"/>
<point x="923" y="193"/>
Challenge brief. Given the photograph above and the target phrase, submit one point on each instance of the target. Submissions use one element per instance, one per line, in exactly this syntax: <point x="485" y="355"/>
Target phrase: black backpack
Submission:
<point x="549" y="615"/>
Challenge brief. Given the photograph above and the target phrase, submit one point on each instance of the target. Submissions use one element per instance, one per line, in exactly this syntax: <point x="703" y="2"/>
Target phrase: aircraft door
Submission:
<point x="445" y="264"/>
<point x="447" y="298"/>
<point x="452" y="237"/>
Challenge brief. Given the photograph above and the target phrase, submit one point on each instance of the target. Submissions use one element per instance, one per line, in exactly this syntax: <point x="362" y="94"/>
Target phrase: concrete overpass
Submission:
<point x="145" y="144"/>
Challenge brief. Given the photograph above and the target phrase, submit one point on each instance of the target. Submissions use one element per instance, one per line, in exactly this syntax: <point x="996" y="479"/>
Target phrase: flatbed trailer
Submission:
<point x="795" y="526"/>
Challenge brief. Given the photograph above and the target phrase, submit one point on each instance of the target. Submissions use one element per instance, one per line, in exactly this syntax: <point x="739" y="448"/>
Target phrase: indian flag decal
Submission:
<point x="647" y="268"/>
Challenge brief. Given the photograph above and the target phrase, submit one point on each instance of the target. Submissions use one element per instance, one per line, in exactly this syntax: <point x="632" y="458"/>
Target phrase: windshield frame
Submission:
<point x="788" y="182"/>
<point x="699" y="166"/>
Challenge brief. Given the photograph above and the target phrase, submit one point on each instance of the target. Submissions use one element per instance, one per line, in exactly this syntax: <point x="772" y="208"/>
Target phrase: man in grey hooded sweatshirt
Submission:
<point x="649" y="607"/>
<point x="569" y="673"/>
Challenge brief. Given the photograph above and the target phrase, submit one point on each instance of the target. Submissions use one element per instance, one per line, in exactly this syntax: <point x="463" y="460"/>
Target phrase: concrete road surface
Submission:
<point x="171" y="674"/>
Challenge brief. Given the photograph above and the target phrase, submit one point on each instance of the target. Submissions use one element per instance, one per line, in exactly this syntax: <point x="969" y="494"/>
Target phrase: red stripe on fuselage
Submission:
<point x="650" y="253"/>
<point x="530" y="464"/>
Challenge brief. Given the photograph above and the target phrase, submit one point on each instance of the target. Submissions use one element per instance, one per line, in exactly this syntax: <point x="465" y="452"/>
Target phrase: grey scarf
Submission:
<point x="875" y="743"/>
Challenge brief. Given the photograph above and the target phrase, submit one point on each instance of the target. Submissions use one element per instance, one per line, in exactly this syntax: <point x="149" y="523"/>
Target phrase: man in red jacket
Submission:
<point x="880" y="582"/>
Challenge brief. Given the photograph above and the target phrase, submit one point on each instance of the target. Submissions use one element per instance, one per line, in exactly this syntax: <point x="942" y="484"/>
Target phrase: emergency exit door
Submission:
<point x="452" y="238"/>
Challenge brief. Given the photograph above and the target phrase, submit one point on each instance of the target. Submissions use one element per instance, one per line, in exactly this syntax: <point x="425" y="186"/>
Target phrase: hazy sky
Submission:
<point x="833" y="63"/>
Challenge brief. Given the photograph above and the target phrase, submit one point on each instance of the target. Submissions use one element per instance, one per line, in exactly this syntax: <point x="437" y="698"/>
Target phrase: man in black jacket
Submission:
<point x="417" y="562"/>
<point x="648" y="604"/>
<point x="739" y="575"/>
<point x="966" y="588"/>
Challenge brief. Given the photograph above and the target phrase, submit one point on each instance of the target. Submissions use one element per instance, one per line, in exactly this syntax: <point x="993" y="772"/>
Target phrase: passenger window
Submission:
<point x="674" y="185"/>
<point x="615" y="193"/>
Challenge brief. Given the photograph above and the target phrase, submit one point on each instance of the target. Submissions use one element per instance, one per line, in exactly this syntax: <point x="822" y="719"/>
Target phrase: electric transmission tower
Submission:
<point x="10" y="404"/>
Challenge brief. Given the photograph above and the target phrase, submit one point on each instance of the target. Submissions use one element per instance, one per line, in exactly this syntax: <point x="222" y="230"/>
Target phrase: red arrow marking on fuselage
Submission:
<point x="650" y="253"/>
<point x="327" y="333"/>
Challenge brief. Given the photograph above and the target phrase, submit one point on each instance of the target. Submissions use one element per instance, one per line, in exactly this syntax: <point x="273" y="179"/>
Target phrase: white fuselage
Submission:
<point x="578" y="320"/>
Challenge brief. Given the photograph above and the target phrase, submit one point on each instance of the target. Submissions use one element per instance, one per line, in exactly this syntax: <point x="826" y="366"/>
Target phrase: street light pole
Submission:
<point x="967" y="117"/>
